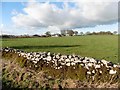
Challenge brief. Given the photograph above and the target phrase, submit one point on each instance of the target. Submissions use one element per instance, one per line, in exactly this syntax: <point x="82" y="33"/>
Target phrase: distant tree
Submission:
<point x="70" y="32"/>
<point x="94" y="33"/>
<point x="87" y="33"/>
<point x="81" y="33"/>
<point x="63" y="32"/>
<point x="48" y="33"/>
<point x="115" y="32"/>
<point x="109" y="33"/>
<point x="76" y="32"/>
<point x="36" y="35"/>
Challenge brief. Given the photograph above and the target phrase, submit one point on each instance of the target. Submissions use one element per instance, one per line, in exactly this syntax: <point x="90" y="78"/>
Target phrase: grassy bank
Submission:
<point x="15" y="76"/>
<point x="17" y="72"/>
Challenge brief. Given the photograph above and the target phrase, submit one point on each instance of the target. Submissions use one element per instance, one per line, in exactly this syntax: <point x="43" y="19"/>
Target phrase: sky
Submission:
<point x="37" y="17"/>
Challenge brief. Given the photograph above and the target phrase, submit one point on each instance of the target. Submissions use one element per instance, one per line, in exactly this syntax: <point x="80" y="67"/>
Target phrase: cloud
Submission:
<point x="14" y="12"/>
<point x="1" y="28"/>
<point x="88" y="0"/>
<point x="53" y="29"/>
<point x="82" y="14"/>
<point x="22" y="20"/>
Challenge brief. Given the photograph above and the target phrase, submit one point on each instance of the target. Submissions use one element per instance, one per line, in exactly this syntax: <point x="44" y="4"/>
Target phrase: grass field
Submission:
<point x="99" y="47"/>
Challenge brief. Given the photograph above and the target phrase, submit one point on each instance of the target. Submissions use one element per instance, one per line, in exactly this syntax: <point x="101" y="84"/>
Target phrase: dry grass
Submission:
<point x="15" y="76"/>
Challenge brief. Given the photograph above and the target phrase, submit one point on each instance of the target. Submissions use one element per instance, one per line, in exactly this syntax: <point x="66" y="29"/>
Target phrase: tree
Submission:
<point x="94" y="33"/>
<point x="109" y="33"/>
<point x="87" y="33"/>
<point x="81" y="33"/>
<point x="36" y="35"/>
<point x="63" y="32"/>
<point x="115" y="32"/>
<point x="70" y="32"/>
<point x="76" y="32"/>
<point x="48" y="33"/>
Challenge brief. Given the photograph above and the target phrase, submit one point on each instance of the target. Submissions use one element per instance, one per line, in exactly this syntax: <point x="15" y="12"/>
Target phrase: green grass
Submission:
<point x="97" y="46"/>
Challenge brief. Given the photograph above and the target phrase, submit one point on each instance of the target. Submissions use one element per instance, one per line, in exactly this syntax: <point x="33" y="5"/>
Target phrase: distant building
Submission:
<point x="56" y="35"/>
<point x="67" y="33"/>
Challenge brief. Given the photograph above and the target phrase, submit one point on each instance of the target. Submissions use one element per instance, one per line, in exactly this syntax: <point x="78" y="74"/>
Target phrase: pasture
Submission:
<point x="96" y="46"/>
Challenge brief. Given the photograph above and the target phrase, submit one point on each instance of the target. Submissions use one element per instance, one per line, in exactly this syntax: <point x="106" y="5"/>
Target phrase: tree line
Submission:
<point x="63" y="33"/>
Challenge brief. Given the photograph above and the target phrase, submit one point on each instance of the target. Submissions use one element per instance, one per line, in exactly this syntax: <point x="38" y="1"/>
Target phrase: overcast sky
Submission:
<point x="35" y="17"/>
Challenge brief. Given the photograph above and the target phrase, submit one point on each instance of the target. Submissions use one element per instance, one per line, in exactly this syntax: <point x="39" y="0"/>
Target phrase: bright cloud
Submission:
<point x="83" y="14"/>
<point x="14" y="12"/>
